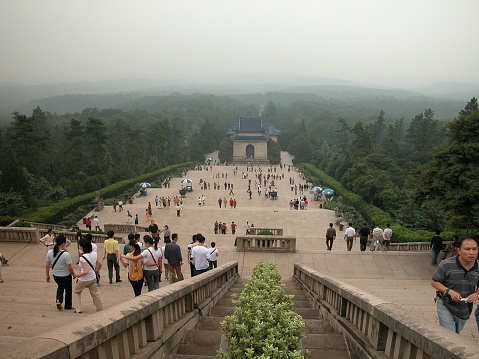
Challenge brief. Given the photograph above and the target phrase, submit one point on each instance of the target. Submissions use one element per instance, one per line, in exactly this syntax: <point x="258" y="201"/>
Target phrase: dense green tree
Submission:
<point x="451" y="178"/>
<point x="362" y="144"/>
<point x="274" y="152"/>
<point x="95" y="143"/>
<point x="470" y="106"/>
<point x="225" y="151"/>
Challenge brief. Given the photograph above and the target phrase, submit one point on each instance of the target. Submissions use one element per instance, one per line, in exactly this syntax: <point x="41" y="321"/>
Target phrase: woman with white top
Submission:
<point x="61" y="263"/>
<point x="88" y="263"/>
<point x="214" y="256"/>
<point x="153" y="257"/>
<point x="134" y="251"/>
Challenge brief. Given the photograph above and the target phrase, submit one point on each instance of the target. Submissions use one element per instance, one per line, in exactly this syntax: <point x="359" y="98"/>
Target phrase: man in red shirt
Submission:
<point x="233" y="227"/>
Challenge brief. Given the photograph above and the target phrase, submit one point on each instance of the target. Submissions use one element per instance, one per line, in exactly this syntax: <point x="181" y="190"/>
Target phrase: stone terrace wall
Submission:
<point x="152" y="323"/>
<point x="377" y="328"/>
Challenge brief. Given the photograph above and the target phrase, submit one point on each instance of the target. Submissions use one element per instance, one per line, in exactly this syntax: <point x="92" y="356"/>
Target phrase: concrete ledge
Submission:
<point x="126" y="328"/>
<point x="378" y="326"/>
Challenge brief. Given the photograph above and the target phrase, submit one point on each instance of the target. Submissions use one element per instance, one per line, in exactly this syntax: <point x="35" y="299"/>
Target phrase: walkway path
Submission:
<point x="27" y="305"/>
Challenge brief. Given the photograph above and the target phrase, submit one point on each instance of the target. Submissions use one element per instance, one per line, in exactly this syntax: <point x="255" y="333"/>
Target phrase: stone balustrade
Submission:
<point x="275" y="231"/>
<point x="20" y="234"/>
<point x="413" y="246"/>
<point x="124" y="228"/>
<point x="265" y="243"/>
<point x="32" y="235"/>
<point x="377" y="328"/>
<point x="152" y="323"/>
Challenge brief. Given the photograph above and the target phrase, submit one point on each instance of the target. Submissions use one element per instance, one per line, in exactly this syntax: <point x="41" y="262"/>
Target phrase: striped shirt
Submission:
<point x="453" y="275"/>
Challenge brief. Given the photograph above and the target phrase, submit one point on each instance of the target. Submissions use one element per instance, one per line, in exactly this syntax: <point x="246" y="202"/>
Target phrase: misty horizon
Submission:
<point x="394" y="44"/>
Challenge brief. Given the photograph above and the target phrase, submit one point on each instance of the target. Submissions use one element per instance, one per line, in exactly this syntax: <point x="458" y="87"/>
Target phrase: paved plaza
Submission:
<point x="28" y="302"/>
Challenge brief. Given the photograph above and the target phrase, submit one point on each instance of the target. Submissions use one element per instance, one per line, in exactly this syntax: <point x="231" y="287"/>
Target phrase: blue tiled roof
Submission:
<point x="250" y="124"/>
<point x="249" y="138"/>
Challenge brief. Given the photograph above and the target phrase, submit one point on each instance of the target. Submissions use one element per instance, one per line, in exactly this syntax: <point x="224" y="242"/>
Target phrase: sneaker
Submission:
<point x="118" y="281"/>
<point x="76" y="310"/>
<point x="59" y="305"/>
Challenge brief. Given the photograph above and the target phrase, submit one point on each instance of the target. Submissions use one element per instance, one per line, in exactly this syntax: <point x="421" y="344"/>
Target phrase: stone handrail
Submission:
<point x="125" y="228"/>
<point x="32" y="235"/>
<point x="152" y="323"/>
<point x="413" y="246"/>
<point x="275" y="231"/>
<point x="266" y="243"/>
<point x="377" y="328"/>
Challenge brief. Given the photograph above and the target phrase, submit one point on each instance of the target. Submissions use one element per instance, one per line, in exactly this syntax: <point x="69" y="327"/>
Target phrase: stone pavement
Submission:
<point x="27" y="301"/>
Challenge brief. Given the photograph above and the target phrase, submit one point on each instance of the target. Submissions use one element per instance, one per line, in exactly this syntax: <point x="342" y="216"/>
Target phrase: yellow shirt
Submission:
<point x="111" y="246"/>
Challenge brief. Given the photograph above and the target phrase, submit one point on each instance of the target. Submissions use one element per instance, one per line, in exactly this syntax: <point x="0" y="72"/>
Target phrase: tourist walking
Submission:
<point x="153" y="257"/>
<point x="388" y="233"/>
<point x="213" y="256"/>
<point x="200" y="255"/>
<point x="135" y="267"/>
<point x="377" y="239"/>
<point x="60" y="262"/>
<point x="436" y="247"/>
<point x="330" y="236"/>
<point x="349" y="236"/>
<point x="364" y="233"/>
<point x="112" y="256"/>
<point x="174" y="257"/>
<point x="455" y="281"/>
<point x="87" y="277"/>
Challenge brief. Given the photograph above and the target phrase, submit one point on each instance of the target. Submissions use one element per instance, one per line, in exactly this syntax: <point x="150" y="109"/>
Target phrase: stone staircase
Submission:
<point x="320" y="339"/>
<point x="204" y="342"/>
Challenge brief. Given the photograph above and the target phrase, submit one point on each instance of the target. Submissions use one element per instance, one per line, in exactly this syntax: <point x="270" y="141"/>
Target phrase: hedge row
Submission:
<point x="371" y="213"/>
<point x="56" y="212"/>
<point x="264" y="324"/>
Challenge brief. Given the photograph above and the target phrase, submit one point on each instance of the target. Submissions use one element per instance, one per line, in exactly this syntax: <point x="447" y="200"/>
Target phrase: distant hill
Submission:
<point x="451" y="90"/>
<point x="348" y="99"/>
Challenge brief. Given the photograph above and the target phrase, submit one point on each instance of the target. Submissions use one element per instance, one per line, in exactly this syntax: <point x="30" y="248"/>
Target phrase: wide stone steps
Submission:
<point x="204" y="341"/>
<point x="320" y="339"/>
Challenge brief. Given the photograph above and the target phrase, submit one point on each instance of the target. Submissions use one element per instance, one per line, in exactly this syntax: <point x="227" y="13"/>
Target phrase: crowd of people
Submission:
<point x="145" y="259"/>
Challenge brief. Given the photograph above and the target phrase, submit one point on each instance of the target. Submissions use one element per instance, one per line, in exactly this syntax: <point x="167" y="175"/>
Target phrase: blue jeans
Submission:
<point x="435" y="254"/>
<point x="447" y="319"/>
<point x="476" y="314"/>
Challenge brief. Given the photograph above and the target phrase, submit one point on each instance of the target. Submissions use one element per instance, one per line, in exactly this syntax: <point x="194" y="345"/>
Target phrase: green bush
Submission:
<point x="265" y="232"/>
<point x="372" y="214"/>
<point x="264" y="324"/>
<point x="56" y="212"/>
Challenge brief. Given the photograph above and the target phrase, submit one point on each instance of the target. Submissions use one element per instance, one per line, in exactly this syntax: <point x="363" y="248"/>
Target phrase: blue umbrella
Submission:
<point x="316" y="189"/>
<point x="186" y="180"/>
<point x="144" y="185"/>
<point x="328" y="192"/>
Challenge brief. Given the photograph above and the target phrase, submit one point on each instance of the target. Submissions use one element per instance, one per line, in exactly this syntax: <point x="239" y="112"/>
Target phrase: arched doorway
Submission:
<point x="250" y="151"/>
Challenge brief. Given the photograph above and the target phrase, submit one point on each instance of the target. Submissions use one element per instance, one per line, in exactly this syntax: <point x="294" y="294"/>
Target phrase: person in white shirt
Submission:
<point x="350" y="236"/>
<point x="48" y="240"/>
<point x="213" y="256"/>
<point x="377" y="238"/>
<point x="388" y="233"/>
<point x="88" y="264"/>
<point x="153" y="264"/>
<point x="201" y="255"/>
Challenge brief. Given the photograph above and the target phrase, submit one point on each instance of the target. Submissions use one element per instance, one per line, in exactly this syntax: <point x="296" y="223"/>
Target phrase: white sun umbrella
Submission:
<point x="144" y="185"/>
<point x="186" y="180"/>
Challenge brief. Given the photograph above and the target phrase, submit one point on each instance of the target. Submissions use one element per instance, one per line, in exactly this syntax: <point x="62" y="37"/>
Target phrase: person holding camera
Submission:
<point x="455" y="281"/>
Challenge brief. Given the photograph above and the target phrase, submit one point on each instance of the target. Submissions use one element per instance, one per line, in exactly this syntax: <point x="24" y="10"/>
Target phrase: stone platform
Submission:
<point x="27" y="302"/>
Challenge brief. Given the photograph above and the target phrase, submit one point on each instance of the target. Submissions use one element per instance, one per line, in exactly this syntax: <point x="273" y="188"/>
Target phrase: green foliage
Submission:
<point x="11" y="204"/>
<point x="369" y="212"/>
<point x="451" y="178"/>
<point x="265" y="232"/>
<point x="274" y="152"/>
<point x="57" y="211"/>
<point x="264" y="324"/>
<point x="6" y="220"/>
<point x="225" y="152"/>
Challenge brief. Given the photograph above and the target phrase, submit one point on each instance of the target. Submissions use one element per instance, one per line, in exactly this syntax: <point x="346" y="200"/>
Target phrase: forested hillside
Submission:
<point x="373" y="145"/>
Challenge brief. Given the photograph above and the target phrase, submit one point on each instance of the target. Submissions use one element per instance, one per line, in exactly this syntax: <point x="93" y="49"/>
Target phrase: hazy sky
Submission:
<point x="390" y="42"/>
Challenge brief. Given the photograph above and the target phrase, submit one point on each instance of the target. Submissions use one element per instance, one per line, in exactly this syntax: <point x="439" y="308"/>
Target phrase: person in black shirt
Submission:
<point x="153" y="229"/>
<point x="436" y="247"/>
<point x="364" y="233"/>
